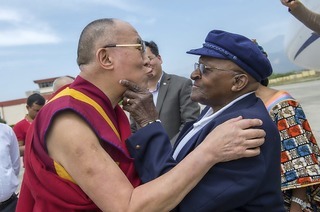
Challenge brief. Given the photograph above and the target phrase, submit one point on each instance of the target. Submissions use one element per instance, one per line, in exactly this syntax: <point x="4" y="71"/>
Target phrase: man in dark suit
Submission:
<point x="229" y="70"/>
<point x="171" y="95"/>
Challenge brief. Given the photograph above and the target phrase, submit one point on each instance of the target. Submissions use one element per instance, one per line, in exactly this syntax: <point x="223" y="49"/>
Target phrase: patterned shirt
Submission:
<point x="300" y="154"/>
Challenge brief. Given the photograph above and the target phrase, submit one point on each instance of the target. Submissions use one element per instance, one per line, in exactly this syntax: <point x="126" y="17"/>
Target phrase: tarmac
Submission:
<point x="308" y="94"/>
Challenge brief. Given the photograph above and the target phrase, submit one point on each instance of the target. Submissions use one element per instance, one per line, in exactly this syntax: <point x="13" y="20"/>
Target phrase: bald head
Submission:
<point x="91" y="35"/>
<point x="61" y="81"/>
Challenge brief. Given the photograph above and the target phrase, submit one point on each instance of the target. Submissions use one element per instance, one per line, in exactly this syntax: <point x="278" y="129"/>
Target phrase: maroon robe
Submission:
<point x="42" y="189"/>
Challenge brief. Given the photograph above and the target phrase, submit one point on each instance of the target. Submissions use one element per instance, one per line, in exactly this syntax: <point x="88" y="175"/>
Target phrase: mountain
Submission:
<point x="277" y="56"/>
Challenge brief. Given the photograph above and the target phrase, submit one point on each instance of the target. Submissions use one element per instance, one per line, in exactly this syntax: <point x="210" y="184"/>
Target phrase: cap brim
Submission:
<point x="206" y="52"/>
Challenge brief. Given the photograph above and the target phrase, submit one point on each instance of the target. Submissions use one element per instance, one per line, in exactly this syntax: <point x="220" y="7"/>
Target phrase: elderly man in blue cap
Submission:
<point x="225" y="78"/>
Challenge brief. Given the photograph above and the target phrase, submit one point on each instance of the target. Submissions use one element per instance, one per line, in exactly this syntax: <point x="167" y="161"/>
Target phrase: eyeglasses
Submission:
<point x="140" y="46"/>
<point x="204" y="69"/>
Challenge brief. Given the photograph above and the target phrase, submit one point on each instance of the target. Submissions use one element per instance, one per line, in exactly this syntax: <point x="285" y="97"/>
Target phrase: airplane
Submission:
<point x="302" y="45"/>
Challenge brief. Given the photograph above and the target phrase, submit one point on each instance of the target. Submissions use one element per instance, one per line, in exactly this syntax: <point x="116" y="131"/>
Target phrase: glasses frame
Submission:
<point x="142" y="46"/>
<point x="203" y="68"/>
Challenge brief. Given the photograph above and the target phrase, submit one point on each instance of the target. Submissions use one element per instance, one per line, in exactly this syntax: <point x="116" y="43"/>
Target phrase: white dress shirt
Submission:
<point x="9" y="162"/>
<point x="197" y="126"/>
<point x="155" y="92"/>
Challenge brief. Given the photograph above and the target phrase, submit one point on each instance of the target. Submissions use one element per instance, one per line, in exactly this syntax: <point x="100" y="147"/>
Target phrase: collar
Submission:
<point x="158" y="84"/>
<point x="210" y="114"/>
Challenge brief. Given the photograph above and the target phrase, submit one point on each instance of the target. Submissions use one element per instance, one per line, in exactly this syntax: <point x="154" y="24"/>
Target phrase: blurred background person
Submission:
<point x="309" y="18"/>
<point x="300" y="152"/>
<point x="34" y="103"/>
<point x="61" y="81"/>
<point x="9" y="168"/>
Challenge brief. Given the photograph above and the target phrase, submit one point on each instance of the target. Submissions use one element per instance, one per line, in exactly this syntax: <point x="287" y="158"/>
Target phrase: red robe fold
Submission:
<point x="42" y="189"/>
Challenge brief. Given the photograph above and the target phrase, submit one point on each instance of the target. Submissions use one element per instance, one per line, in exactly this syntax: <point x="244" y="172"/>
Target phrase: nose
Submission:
<point x="146" y="61"/>
<point x="195" y="74"/>
<point x="146" y="64"/>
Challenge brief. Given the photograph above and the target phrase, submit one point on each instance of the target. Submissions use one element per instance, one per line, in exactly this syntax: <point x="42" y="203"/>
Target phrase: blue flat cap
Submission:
<point x="237" y="48"/>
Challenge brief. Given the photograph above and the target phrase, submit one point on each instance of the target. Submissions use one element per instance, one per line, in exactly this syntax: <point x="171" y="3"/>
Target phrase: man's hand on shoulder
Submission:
<point x="236" y="138"/>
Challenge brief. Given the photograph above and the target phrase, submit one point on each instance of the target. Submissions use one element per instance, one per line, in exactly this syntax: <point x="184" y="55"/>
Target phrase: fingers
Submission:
<point x="284" y="2"/>
<point x="249" y="134"/>
<point x="234" y="119"/>
<point x="245" y="123"/>
<point x="237" y="138"/>
<point x="253" y="147"/>
<point x="127" y="102"/>
<point x="248" y="123"/>
<point x="254" y="143"/>
<point x="251" y="152"/>
<point x="245" y="148"/>
<point x="287" y="2"/>
<point x="131" y="86"/>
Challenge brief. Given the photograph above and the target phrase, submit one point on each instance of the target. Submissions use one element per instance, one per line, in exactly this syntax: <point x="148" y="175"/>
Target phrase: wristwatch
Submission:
<point x="303" y="204"/>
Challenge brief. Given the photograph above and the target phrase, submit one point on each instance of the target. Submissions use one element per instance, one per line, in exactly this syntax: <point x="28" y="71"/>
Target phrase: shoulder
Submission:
<point x="177" y="79"/>
<point x="285" y="103"/>
<point x="285" y="108"/>
<point x="278" y="98"/>
<point x="62" y="121"/>
<point x="20" y="122"/>
<point x="20" y="125"/>
<point x="68" y="118"/>
<point x="5" y="127"/>
<point x="6" y="130"/>
<point x="251" y="107"/>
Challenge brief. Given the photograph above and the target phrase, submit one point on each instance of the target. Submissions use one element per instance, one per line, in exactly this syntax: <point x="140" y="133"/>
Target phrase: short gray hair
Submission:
<point x="93" y="32"/>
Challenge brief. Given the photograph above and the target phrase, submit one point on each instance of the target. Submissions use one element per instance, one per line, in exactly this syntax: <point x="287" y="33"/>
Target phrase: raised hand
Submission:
<point x="139" y="103"/>
<point x="236" y="138"/>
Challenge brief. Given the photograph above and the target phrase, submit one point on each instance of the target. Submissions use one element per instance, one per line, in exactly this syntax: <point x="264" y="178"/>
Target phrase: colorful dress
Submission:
<point x="300" y="154"/>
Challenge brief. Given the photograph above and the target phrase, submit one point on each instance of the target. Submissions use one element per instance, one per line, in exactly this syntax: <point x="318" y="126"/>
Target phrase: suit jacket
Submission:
<point x="246" y="184"/>
<point x="174" y="105"/>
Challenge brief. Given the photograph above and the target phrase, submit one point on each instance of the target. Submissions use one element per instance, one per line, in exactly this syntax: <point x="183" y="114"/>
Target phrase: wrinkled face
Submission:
<point x="33" y="110"/>
<point x="213" y="86"/>
<point x="129" y="59"/>
<point x="155" y="64"/>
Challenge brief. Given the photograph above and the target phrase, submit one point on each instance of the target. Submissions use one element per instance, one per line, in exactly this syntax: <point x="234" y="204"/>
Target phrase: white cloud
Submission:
<point x="20" y="28"/>
<point x="26" y="37"/>
<point x="9" y="15"/>
<point x="120" y="4"/>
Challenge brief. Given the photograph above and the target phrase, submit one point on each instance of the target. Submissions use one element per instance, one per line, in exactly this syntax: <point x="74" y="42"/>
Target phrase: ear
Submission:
<point x="240" y="81"/>
<point x="104" y="59"/>
<point x="159" y="57"/>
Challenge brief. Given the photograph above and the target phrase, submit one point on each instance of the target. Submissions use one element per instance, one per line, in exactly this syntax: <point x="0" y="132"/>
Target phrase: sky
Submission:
<point x="38" y="38"/>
